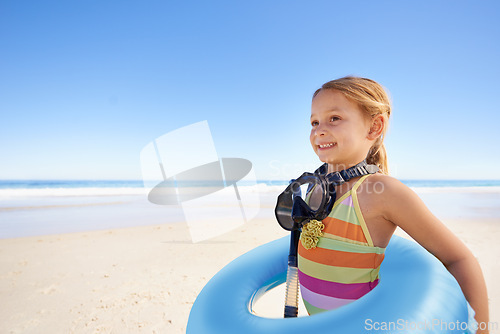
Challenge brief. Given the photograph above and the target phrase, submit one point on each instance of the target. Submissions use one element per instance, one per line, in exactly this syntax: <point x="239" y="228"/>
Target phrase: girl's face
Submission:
<point x="340" y="131"/>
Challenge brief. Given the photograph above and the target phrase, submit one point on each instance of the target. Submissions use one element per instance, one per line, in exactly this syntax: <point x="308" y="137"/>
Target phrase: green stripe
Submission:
<point x="343" y="246"/>
<point x="337" y="274"/>
<point x="345" y="213"/>
<point x="312" y="309"/>
<point x="342" y="239"/>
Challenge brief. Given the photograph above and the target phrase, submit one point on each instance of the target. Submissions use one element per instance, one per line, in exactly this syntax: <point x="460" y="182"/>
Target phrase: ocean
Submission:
<point x="29" y="188"/>
<point x="38" y="207"/>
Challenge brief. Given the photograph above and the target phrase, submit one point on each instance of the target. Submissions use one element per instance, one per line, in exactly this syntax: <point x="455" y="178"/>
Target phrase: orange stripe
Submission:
<point x="341" y="259"/>
<point x="344" y="229"/>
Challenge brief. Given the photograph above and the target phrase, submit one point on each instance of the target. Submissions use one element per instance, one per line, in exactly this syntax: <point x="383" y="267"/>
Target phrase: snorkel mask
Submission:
<point x="309" y="197"/>
<point x="312" y="195"/>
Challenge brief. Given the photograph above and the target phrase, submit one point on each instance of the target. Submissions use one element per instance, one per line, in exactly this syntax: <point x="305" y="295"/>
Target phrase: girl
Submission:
<point x="349" y="119"/>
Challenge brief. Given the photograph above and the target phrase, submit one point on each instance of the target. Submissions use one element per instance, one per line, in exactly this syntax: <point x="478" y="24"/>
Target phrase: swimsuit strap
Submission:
<point x="357" y="209"/>
<point x="358" y="182"/>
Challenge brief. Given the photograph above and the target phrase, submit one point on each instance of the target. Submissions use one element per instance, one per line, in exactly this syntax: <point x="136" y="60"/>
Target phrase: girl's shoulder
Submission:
<point x="383" y="190"/>
<point x="382" y="184"/>
<point x="390" y="198"/>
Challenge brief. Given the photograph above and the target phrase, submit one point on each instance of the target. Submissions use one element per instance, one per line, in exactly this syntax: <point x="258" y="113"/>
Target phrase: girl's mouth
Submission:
<point x="326" y="146"/>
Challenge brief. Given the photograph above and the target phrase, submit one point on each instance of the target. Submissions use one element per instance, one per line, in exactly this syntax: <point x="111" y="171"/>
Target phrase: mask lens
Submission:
<point x="309" y="188"/>
<point x="312" y="194"/>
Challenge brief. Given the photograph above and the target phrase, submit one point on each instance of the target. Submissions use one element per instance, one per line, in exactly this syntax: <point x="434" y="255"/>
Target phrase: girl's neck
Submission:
<point x="340" y="167"/>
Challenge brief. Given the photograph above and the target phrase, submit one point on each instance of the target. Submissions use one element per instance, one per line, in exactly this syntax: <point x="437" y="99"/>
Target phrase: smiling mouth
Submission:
<point x="324" y="146"/>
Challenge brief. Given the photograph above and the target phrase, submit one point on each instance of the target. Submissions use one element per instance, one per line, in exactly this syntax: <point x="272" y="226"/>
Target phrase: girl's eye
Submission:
<point x="334" y="118"/>
<point x="314" y="123"/>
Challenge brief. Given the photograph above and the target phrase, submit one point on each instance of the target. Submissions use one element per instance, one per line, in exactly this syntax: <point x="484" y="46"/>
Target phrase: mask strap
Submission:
<point x="338" y="178"/>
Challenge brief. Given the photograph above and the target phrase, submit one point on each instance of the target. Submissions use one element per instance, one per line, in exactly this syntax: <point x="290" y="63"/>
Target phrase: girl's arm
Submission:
<point x="405" y="209"/>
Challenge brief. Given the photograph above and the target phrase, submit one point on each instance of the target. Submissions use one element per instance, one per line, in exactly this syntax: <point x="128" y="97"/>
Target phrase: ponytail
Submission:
<point x="378" y="156"/>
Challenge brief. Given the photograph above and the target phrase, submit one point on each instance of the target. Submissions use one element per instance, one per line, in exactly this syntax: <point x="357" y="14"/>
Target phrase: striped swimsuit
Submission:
<point x="345" y="265"/>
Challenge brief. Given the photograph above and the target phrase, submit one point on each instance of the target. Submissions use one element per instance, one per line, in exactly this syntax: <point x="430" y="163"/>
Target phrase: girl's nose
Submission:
<point x="320" y="130"/>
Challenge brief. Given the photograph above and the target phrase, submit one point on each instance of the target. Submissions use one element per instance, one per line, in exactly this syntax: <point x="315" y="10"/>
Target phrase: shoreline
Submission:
<point x="43" y="215"/>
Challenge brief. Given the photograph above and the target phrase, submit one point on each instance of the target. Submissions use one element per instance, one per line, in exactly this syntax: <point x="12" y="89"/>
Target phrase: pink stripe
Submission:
<point x="321" y="301"/>
<point x="347" y="201"/>
<point x="334" y="289"/>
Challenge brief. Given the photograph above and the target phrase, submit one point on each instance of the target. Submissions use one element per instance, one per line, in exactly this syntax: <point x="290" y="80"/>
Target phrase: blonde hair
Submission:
<point x="373" y="100"/>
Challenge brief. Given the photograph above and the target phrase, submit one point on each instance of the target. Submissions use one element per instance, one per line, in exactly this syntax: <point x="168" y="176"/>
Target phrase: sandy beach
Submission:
<point x="145" y="279"/>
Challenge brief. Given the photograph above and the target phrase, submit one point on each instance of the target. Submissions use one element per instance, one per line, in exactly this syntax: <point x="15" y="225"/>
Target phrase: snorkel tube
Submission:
<point x="292" y="277"/>
<point x="292" y="212"/>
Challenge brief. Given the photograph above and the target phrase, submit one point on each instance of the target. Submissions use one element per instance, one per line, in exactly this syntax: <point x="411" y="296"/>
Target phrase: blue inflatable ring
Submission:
<point x="415" y="294"/>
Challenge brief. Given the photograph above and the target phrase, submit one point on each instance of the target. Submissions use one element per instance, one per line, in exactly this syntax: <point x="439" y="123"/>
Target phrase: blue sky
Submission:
<point x="85" y="85"/>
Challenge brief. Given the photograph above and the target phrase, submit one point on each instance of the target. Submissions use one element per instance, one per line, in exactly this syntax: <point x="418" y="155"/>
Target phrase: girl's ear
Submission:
<point x="377" y="127"/>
